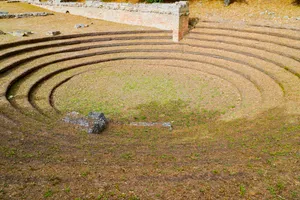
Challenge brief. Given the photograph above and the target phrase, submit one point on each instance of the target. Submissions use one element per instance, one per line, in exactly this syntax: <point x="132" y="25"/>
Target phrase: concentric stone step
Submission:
<point x="262" y="64"/>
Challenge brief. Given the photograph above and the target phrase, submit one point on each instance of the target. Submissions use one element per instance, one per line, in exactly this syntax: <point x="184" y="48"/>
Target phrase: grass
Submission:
<point x="146" y="94"/>
<point x="48" y="193"/>
<point x="193" y="160"/>
<point x="203" y="157"/>
<point x="242" y="190"/>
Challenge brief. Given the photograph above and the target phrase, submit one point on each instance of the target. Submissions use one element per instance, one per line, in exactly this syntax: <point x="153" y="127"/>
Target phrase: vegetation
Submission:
<point x="203" y="157"/>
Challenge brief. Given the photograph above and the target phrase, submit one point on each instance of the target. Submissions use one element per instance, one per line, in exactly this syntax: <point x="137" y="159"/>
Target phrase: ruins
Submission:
<point x="174" y="17"/>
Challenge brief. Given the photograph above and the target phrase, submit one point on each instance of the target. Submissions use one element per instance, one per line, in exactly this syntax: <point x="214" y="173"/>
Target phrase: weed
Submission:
<point x="242" y="190"/>
<point x="67" y="189"/>
<point x="48" y="193"/>
<point x="280" y="186"/>
<point x="260" y="172"/>
<point x="8" y="151"/>
<point x="294" y="194"/>
<point x="2" y="191"/>
<point x="272" y="190"/>
<point x="101" y="196"/>
<point x="84" y="174"/>
<point x="194" y="156"/>
<point x="126" y="156"/>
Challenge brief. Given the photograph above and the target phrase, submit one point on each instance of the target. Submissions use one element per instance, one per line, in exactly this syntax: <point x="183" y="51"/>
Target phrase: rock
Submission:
<point x="20" y="33"/>
<point x="80" y="26"/>
<point x="285" y="17"/>
<point x="262" y="13"/>
<point x="2" y="33"/>
<point x="226" y="2"/>
<point x="97" y="115"/>
<point x="99" y="124"/>
<point x="157" y="124"/>
<point x="167" y="125"/>
<point x="24" y="15"/>
<point x="3" y="12"/>
<point x="95" y="122"/>
<point x="193" y="22"/>
<point x="298" y="18"/>
<point x="53" y="33"/>
<point x="76" y="118"/>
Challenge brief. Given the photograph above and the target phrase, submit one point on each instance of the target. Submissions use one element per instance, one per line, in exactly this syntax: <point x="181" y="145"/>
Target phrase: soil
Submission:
<point x="230" y="89"/>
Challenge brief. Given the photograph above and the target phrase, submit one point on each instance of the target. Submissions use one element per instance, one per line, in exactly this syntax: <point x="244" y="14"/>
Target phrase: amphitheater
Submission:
<point x="242" y="71"/>
<point x="257" y="66"/>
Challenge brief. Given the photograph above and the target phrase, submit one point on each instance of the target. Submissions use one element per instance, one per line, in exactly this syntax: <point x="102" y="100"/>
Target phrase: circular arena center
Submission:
<point x="237" y="72"/>
<point x="231" y="90"/>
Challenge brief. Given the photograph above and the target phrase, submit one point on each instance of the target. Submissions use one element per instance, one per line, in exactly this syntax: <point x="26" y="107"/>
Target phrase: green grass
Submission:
<point x="144" y="95"/>
<point x="242" y="190"/>
<point x="48" y="193"/>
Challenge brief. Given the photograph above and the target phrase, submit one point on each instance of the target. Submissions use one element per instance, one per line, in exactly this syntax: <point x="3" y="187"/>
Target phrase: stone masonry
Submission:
<point x="164" y="16"/>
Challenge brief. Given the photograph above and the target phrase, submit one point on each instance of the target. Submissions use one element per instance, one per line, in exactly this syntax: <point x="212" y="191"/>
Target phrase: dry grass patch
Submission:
<point x="238" y="159"/>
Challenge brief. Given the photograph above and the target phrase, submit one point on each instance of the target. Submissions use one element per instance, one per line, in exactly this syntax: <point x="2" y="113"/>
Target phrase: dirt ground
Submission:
<point x="230" y="89"/>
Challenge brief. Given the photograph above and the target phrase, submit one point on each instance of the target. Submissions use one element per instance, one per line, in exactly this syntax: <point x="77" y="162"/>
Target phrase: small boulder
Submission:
<point x="99" y="122"/>
<point x="53" y="33"/>
<point x="95" y="122"/>
<point x="97" y="115"/>
<point x="97" y="127"/>
<point x="77" y="26"/>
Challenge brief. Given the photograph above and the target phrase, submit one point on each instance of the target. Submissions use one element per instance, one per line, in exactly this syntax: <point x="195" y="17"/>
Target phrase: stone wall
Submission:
<point x="24" y="15"/>
<point x="173" y="16"/>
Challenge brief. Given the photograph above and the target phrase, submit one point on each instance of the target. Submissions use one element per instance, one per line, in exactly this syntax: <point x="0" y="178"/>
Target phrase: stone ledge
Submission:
<point x="173" y="16"/>
<point x="177" y="8"/>
<point x="24" y="15"/>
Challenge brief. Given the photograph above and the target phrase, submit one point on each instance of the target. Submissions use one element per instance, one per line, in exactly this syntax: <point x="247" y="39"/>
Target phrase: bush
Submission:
<point x="154" y="1"/>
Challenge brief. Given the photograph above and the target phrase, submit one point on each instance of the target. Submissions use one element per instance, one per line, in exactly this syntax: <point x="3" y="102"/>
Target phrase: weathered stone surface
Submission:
<point x="158" y="124"/>
<point x="76" y="118"/>
<point x="95" y="122"/>
<point x="99" y="122"/>
<point x="24" y="15"/>
<point x="20" y="33"/>
<point x="2" y="33"/>
<point x="226" y="2"/>
<point x="97" y="115"/>
<point x="80" y="26"/>
<point x="53" y="33"/>
<point x="97" y="127"/>
<point x="3" y="12"/>
<point x="166" y="16"/>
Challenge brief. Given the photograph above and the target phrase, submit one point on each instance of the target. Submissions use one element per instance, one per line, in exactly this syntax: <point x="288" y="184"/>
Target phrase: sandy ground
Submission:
<point x="61" y="22"/>
<point x="244" y="62"/>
